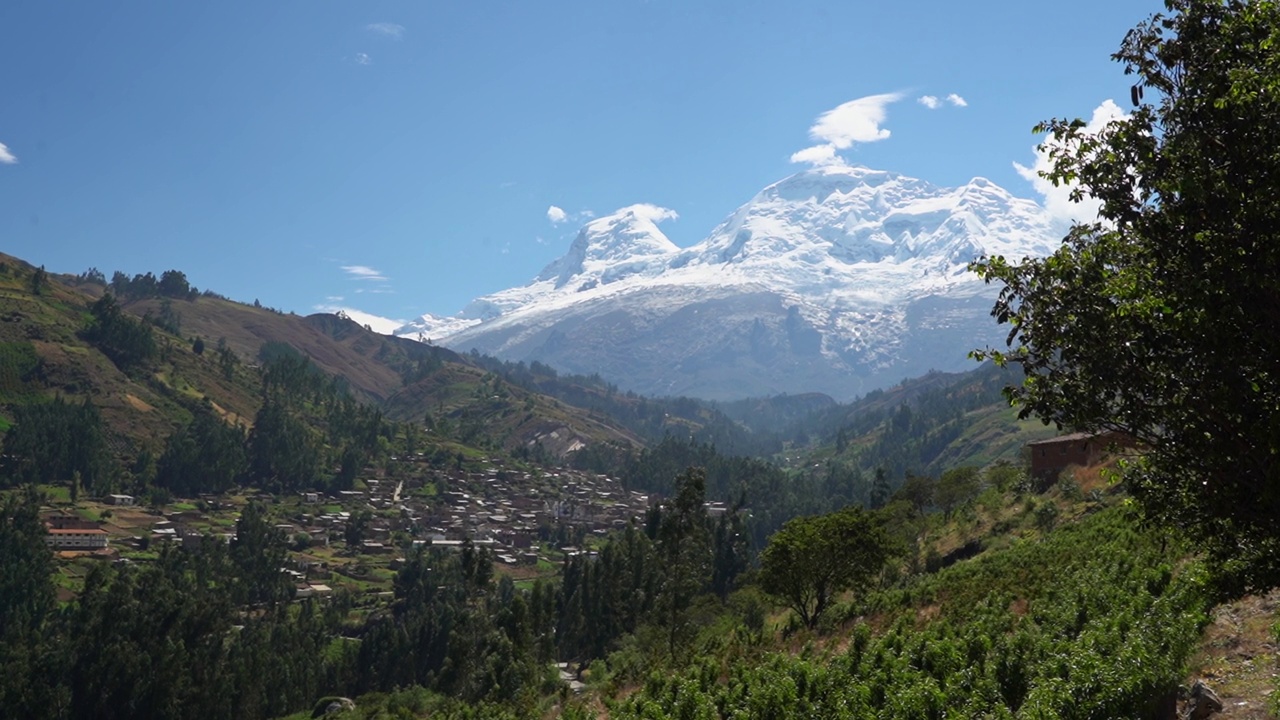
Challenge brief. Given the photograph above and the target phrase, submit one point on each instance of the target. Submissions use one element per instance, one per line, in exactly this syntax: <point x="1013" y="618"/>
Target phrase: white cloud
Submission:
<point x="652" y="213"/>
<point x="929" y="101"/>
<point x="364" y="272"/>
<point x="363" y="59"/>
<point x="6" y="157"/>
<point x="818" y="156"/>
<point x="390" y="30"/>
<point x="956" y="100"/>
<point x="1057" y="198"/>
<point x="557" y="215"/>
<point x="857" y="121"/>
<point x="380" y="324"/>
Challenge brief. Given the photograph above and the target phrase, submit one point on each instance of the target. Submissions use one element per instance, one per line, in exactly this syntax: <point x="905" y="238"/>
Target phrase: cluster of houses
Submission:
<point x="510" y="512"/>
<point x="513" y="512"/>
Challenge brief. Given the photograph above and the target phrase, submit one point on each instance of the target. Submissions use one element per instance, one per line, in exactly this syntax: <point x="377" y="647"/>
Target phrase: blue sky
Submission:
<point x="402" y="157"/>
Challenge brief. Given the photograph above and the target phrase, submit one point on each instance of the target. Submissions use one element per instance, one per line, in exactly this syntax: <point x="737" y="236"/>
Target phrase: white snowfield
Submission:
<point x="836" y="279"/>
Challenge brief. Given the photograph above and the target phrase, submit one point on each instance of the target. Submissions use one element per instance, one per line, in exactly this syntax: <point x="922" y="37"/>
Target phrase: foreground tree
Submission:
<point x="812" y="559"/>
<point x="1162" y="318"/>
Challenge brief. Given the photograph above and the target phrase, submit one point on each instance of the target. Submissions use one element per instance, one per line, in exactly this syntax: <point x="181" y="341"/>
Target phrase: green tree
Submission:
<point x="1161" y="319"/>
<point x="126" y="341"/>
<point x="811" y="559"/>
<point x="39" y="281"/>
<point x="207" y="455"/>
<point x="684" y="545"/>
<point x="356" y="529"/>
<point x="917" y="490"/>
<point x="879" y="490"/>
<point x="257" y="553"/>
<point x="956" y="487"/>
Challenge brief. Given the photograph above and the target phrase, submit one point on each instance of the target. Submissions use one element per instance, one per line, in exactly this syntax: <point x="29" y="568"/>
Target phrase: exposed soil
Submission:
<point x="1239" y="659"/>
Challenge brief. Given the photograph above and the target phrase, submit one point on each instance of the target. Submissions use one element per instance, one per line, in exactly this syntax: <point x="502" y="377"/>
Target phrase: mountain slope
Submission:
<point x="837" y="280"/>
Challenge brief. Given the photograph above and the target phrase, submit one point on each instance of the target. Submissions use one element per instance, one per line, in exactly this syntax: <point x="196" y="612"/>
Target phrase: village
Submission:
<point x="531" y="520"/>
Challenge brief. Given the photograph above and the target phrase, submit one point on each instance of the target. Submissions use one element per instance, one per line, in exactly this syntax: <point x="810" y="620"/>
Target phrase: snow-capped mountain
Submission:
<point x="836" y="279"/>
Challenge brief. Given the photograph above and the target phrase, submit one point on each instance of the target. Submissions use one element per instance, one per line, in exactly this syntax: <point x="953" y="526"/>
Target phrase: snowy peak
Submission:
<point x="616" y="246"/>
<point x="838" y="279"/>
<point x="857" y="215"/>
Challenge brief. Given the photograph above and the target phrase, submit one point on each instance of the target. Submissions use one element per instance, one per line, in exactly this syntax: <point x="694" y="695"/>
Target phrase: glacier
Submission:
<point x="838" y="279"/>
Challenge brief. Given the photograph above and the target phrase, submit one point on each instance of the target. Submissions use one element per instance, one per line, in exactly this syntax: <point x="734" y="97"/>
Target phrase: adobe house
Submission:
<point x="1082" y="449"/>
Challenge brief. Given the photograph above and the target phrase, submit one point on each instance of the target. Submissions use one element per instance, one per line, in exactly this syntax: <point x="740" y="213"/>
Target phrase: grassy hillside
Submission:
<point x="924" y="425"/>
<point x="45" y="355"/>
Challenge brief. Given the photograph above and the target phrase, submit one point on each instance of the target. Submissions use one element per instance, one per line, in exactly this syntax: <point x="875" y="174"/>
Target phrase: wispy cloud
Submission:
<point x="364" y="272"/>
<point x="7" y="157"/>
<point x="857" y="121"/>
<point x="391" y="30"/>
<point x="933" y="102"/>
<point x="557" y="215"/>
<point x="362" y="59"/>
<point x="1057" y="198"/>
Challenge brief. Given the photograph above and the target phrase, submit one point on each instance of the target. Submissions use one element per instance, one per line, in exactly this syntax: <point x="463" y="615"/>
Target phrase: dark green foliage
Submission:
<point x="919" y="491"/>
<point x="228" y="361"/>
<point x="257" y="553"/>
<point x="812" y="559"/>
<point x="650" y="418"/>
<point x="128" y="342"/>
<point x="956" y="487"/>
<point x="206" y="456"/>
<point x="684" y="549"/>
<point x="1162" y="319"/>
<point x="51" y="442"/>
<point x="20" y="370"/>
<point x="168" y="319"/>
<point x="39" y="281"/>
<point x="452" y="629"/>
<point x="172" y="284"/>
<point x="26" y="606"/>
<point x="163" y="639"/>
<point x="92" y="276"/>
<point x="1101" y="630"/>
<point x="772" y="495"/>
<point x="356" y="528"/>
<point x="282" y="453"/>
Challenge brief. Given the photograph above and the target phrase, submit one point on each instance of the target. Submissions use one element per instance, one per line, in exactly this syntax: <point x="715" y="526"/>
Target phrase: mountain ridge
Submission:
<point x="835" y="279"/>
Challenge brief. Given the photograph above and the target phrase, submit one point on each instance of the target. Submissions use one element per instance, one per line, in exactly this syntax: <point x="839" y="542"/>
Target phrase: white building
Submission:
<point x="76" y="539"/>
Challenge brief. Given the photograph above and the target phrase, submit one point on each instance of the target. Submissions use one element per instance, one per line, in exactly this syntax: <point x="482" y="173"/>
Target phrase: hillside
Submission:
<point x="924" y="425"/>
<point x="407" y="380"/>
<point x="45" y="354"/>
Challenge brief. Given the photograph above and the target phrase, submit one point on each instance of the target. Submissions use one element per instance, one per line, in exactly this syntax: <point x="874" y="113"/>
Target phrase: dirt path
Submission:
<point x="1239" y="659"/>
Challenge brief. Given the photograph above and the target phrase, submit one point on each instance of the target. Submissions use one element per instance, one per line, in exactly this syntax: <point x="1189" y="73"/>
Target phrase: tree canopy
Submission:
<point x="811" y="559"/>
<point x="1161" y="318"/>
